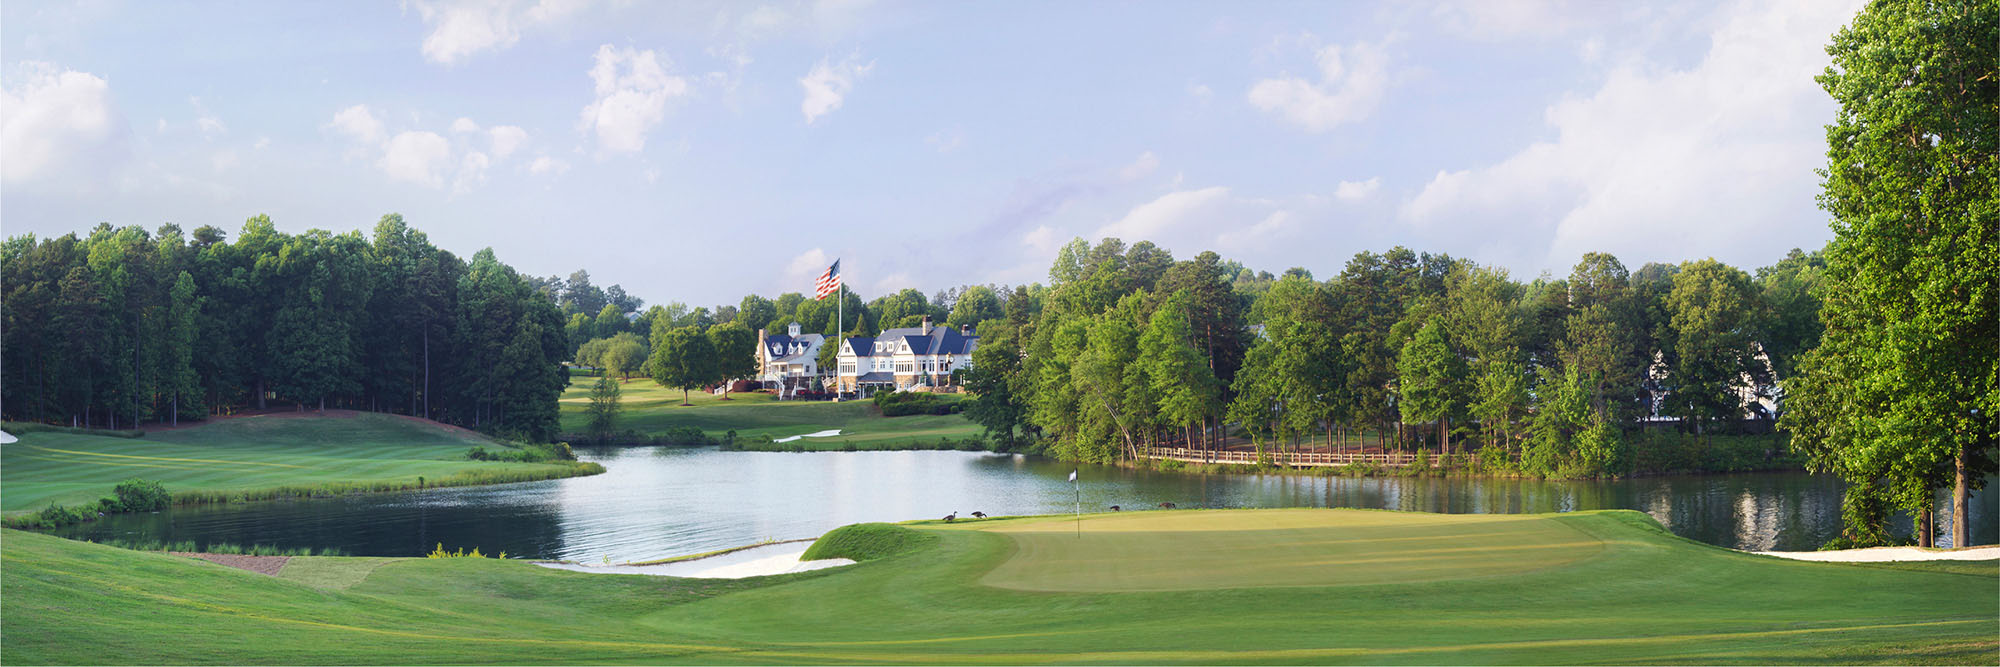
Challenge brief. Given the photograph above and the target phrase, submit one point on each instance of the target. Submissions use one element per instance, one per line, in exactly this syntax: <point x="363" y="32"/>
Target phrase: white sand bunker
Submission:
<point x="780" y="558"/>
<point x="816" y="434"/>
<point x="1888" y="554"/>
<point x="7" y="438"/>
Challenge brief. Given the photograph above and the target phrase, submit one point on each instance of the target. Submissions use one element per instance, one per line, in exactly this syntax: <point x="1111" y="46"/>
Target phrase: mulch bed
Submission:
<point x="258" y="564"/>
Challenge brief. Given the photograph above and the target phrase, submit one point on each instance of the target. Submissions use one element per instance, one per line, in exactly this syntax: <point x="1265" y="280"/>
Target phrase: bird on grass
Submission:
<point x="948" y="518"/>
<point x="978" y="515"/>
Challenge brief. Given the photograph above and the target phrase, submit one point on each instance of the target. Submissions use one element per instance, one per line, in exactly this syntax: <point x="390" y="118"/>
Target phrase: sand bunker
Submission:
<point x="817" y="434"/>
<point x="1888" y="554"/>
<point x="782" y="558"/>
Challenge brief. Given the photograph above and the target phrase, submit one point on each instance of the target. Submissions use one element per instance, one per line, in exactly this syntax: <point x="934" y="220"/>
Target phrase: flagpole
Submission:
<point x="840" y="335"/>
<point x="1079" y="503"/>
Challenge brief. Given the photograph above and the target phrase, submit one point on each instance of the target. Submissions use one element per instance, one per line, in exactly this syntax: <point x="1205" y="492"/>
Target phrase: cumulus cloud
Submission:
<point x="359" y="123"/>
<point x="1139" y="168"/>
<point x="1170" y="212"/>
<point x="806" y="266"/>
<point x="461" y="28"/>
<point x="416" y="157"/>
<point x="543" y="165"/>
<point x="947" y="140"/>
<point x="827" y="85"/>
<point x="1715" y="158"/>
<point x="1352" y="80"/>
<point x="58" y="125"/>
<point x="506" y="139"/>
<point x="1356" y="190"/>
<point x="464" y="125"/>
<point x="633" y="89"/>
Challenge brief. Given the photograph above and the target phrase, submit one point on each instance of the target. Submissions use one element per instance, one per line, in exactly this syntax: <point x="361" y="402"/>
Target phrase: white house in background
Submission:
<point x="904" y="358"/>
<point x="788" y="360"/>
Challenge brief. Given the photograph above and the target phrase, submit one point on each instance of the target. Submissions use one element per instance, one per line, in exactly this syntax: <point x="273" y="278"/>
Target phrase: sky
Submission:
<point x="699" y="151"/>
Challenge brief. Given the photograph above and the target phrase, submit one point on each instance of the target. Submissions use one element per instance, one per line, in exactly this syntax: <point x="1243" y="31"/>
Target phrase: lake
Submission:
<point x="654" y="502"/>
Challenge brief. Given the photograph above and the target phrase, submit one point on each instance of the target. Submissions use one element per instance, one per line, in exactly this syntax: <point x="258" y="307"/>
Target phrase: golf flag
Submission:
<point x="1072" y="475"/>
<point x="828" y="282"/>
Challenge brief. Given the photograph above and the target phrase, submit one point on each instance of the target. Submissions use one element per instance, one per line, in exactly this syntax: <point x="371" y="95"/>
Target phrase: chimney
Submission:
<point x="965" y="330"/>
<point x="927" y="325"/>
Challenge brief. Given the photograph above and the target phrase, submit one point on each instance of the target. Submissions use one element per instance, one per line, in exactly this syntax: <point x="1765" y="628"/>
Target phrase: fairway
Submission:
<point x="1606" y="588"/>
<point x="649" y="408"/>
<point x="248" y="454"/>
<point x="1189" y="550"/>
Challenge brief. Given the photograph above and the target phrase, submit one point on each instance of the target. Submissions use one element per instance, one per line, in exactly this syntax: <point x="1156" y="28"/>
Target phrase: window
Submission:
<point x="903" y="367"/>
<point x="847" y="369"/>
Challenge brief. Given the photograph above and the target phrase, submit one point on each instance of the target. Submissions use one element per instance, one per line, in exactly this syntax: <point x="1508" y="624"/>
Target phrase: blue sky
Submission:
<point x="695" y="151"/>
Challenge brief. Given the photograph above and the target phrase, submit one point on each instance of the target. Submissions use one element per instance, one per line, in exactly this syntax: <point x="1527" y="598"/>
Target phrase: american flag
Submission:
<point x="828" y="282"/>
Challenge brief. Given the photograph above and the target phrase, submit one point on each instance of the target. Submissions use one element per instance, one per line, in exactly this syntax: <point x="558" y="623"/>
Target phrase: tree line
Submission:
<point x="120" y="327"/>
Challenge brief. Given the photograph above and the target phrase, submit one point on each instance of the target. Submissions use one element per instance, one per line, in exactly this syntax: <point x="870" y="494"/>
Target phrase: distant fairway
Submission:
<point x="1605" y="587"/>
<point x="245" y="454"/>
<point x="1164" y="551"/>
<point x="651" y="409"/>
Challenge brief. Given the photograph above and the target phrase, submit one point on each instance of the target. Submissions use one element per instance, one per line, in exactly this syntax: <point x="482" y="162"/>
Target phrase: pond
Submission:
<point x="655" y="502"/>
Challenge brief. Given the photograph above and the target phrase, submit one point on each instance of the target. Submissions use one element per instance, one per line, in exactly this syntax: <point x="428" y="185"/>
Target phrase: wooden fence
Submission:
<point x="1280" y="458"/>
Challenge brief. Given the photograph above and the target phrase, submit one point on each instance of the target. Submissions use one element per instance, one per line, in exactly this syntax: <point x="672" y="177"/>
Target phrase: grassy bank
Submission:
<point x="266" y="456"/>
<point x="1213" y="587"/>
<point x="758" y="419"/>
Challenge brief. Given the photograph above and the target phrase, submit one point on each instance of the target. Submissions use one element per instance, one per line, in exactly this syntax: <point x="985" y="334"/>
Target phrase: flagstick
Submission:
<point x="1079" y="504"/>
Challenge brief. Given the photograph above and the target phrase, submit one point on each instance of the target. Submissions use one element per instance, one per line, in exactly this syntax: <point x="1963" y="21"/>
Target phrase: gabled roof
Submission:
<point x="779" y="346"/>
<point x="941" y="340"/>
<point x="863" y="345"/>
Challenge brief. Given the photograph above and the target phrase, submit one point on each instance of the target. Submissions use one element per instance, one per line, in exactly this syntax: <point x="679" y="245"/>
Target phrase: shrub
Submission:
<point x="439" y="552"/>
<point x="903" y="403"/>
<point x="140" y="495"/>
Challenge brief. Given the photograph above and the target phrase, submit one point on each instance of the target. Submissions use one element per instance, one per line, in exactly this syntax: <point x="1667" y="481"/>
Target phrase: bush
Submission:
<point x="865" y="542"/>
<point x="460" y="553"/>
<point x="140" y="495"/>
<point x="904" y="403"/>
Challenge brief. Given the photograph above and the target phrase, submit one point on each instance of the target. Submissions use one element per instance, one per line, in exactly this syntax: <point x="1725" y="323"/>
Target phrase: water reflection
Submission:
<point x="656" y="502"/>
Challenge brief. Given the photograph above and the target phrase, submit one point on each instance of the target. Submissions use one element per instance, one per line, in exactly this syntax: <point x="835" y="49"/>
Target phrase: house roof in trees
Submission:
<point x="783" y="348"/>
<point x="941" y="340"/>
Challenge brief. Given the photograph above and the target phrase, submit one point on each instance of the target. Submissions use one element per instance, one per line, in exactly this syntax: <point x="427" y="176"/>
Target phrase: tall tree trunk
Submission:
<point x="1960" y="531"/>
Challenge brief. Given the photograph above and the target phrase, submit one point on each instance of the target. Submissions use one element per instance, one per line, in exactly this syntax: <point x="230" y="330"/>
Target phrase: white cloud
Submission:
<point x="210" y="125"/>
<point x="1199" y="91"/>
<point x="1499" y="19"/>
<point x="461" y="28"/>
<point x="632" y="91"/>
<point x="1256" y="236"/>
<point x="506" y="139"/>
<point x="1357" y="190"/>
<point x="1140" y="168"/>
<point x="58" y="126"/>
<point x="807" y="266"/>
<point x="1352" y="81"/>
<point x="1716" y="158"/>
<point x="1043" y="239"/>
<point x="262" y="143"/>
<point x="416" y="157"/>
<point x="471" y="172"/>
<point x="464" y="125"/>
<point x="544" y="164"/>
<point x="359" y="123"/>
<point x="826" y="86"/>
<point x="1170" y="212"/>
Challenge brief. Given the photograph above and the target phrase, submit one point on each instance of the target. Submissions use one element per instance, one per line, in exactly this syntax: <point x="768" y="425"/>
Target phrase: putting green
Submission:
<point x="1193" y="550"/>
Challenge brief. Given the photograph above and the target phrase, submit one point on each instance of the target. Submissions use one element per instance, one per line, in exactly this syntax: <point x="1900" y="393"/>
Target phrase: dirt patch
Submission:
<point x="258" y="564"/>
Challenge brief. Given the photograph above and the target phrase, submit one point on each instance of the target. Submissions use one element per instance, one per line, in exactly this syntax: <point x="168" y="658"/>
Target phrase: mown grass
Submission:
<point x="260" y="457"/>
<point x="1644" y="597"/>
<point x="759" y="419"/>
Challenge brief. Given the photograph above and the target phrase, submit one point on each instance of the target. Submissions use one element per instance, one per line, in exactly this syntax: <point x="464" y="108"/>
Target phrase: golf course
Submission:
<point x="651" y="409"/>
<point x="258" y="456"/>
<point x="1308" y="586"/>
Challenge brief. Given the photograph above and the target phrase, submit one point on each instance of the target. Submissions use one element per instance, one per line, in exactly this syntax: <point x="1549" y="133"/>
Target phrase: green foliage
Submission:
<point x="735" y="349"/>
<point x="863" y="542"/>
<point x="1902" y="396"/>
<point x="682" y="358"/>
<point x="1713" y="308"/>
<point x="905" y="403"/>
<point x="439" y="552"/>
<point x="139" y="495"/>
<point x="604" y="405"/>
<point x="1431" y="377"/>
